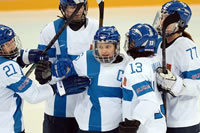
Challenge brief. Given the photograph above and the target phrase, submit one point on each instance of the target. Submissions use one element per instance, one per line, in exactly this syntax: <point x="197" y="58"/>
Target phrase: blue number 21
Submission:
<point x="9" y="69"/>
<point x="138" y="67"/>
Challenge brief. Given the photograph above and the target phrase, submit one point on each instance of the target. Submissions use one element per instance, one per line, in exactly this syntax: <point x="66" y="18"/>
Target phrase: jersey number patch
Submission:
<point x="9" y="70"/>
<point x="136" y="68"/>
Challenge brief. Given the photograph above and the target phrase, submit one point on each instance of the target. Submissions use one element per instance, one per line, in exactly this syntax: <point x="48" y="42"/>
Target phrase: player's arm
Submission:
<point x="16" y="81"/>
<point x="30" y="56"/>
<point x="180" y="84"/>
<point x="47" y="73"/>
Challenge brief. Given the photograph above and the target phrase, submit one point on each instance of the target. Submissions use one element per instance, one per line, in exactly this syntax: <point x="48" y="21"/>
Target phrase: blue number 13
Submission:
<point x="138" y="67"/>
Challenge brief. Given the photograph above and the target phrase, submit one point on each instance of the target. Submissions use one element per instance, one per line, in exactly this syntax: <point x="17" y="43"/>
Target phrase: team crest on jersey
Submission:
<point x="142" y="88"/>
<point x="169" y="67"/>
<point x="124" y="81"/>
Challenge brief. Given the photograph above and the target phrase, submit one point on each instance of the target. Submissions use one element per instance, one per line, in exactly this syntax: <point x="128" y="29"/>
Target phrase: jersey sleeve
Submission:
<point x="46" y="36"/>
<point x="188" y="62"/>
<point x="139" y="98"/>
<point x="80" y="64"/>
<point x="20" y="84"/>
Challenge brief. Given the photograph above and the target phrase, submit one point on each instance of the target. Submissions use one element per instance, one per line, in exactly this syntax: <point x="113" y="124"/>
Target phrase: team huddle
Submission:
<point x="105" y="91"/>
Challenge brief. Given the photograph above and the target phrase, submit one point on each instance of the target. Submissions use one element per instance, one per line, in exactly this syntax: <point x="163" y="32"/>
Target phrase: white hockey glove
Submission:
<point x="168" y="82"/>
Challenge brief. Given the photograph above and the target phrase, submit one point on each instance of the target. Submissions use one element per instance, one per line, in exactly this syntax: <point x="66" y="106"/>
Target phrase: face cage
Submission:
<point x="13" y="53"/>
<point x="105" y="59"/>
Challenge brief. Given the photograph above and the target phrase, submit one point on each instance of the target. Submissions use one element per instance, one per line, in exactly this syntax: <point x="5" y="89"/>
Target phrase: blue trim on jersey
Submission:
<point x="160" y="114"/>
<point x="95" y="92"/>
<point x="159" y="41"/>
<point x="22" y="85"/>
<point x="93" y="69"/>
<point x="18" y="115"/>
<point x="142" y="88"/>
<point x="127" y="94"/>
<point x="60" y="102"/>
<point x="60" y="106"/>
<point x="194" y="74"/>
<point x="62" y="39"/>
<point x="2" y="60"/>
<point x="51" y="52"/>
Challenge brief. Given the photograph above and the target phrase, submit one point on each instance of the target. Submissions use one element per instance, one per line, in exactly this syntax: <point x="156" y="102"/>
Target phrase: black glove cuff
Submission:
<point x="129" y="126"/>
<point x="53" y="88"/>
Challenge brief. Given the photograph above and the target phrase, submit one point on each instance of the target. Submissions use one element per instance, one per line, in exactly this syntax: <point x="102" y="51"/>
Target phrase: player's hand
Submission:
<point x="30" y="56"/>
<point x="73" y="84"/>
<point x="62" y="67"/>
<point x="129" y="126"/>
<point x="43" y="72"/>
<point x="168" y="82"/>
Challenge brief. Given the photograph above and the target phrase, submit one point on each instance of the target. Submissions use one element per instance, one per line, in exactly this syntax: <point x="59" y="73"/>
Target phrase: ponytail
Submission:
<point x="186" y="34"/>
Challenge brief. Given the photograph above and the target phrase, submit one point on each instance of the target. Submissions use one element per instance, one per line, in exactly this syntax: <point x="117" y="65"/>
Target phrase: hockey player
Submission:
<point x="98" y="109"/>
<point x="143" y="110"/>
<point x="182" y="79"/>
<point x="75" y="39"/>
<point x="14" y="86"/>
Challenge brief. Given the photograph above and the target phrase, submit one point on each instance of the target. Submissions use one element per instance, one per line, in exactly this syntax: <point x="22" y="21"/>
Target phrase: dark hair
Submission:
<point x="135" y="54"/>
<point x="186" y="34"/>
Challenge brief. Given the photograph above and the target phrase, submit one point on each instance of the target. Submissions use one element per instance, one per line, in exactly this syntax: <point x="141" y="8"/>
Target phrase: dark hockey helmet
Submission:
<point x="64" y="3"/>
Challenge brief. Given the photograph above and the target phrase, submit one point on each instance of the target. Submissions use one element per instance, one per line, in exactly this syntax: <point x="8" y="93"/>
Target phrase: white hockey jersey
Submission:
<point x="141" y="99"/>
<point x="182" y="59"/>
<point x="99" y="108"/>
<point x="14" y="87"/>
<point x="70" y="44"/>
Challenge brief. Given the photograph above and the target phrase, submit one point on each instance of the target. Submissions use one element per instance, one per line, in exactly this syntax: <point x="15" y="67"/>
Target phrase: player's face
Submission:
<point x="70" y="9"/>
<point x="171" y="27"/>
<point x="9" y="46"/>
<point x="106" y="49"/>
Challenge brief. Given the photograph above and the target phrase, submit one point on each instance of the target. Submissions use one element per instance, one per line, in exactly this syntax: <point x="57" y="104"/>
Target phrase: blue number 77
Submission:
<point x="190" y="50"/>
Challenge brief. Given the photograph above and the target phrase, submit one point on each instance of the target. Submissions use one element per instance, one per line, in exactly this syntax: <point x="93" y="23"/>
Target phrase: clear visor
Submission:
<point x="126" y="44"/>
<point x="11" y="48"/>
<point x="158" y="22"/>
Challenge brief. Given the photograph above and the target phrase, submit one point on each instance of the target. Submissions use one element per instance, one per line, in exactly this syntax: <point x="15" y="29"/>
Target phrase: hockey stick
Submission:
<point x="101" y="12"/>
<point x="56" y="36"/>
<point x="60" y="86"/>
<point x="168" y="20"/>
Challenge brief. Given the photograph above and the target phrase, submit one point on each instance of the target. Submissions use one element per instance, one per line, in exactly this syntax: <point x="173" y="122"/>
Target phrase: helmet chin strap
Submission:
<point x="180" y="30"/>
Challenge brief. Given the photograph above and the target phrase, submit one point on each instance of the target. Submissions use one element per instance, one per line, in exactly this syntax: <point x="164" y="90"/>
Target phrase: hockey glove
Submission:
<point x="168" y="82"/>
<point x="129" y="126"/>
<point x="30" y="56"/>
<point x="43" y="72"/>
<point x="73" y="84"/>
<point x="62" y="67"/>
